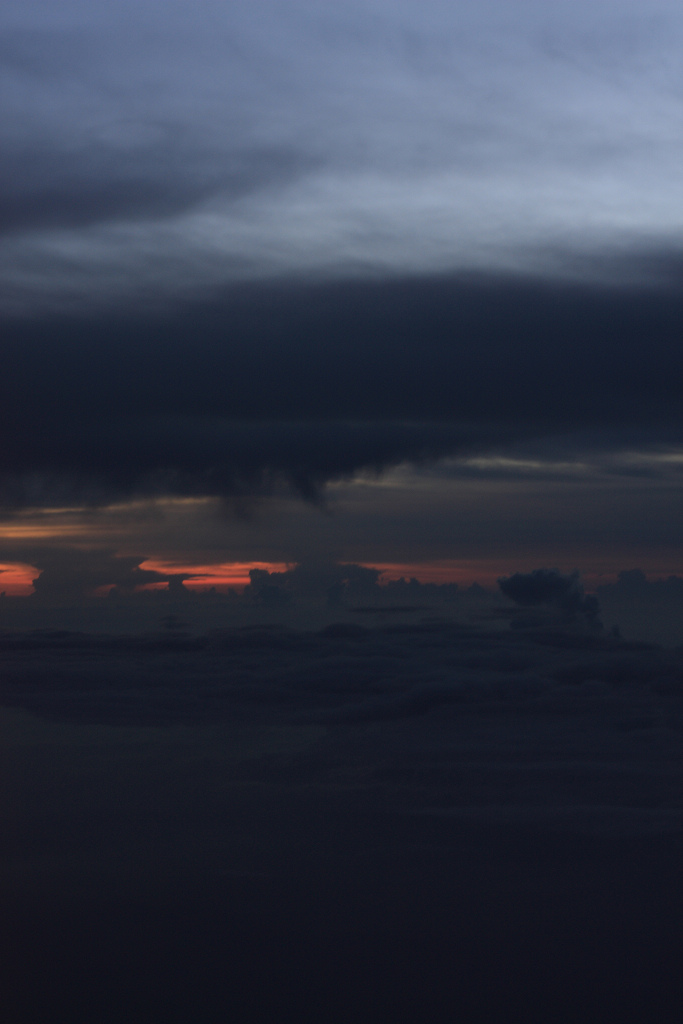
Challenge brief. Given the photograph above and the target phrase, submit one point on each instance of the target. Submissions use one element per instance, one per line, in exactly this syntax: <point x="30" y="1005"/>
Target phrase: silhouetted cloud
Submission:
<point x="552" y="588"/>
<point x="69" y="575"/>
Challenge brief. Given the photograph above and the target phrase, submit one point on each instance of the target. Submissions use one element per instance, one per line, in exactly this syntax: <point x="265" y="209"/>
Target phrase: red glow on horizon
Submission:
<point x="223" y="576"/>
<point x="16" y="578"/>
<point x="487" y="572"/>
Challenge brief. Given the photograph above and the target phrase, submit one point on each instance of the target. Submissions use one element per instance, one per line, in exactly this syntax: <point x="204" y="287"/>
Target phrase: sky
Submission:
<point x="383" y="283"/>
<point x="341" y="480"/>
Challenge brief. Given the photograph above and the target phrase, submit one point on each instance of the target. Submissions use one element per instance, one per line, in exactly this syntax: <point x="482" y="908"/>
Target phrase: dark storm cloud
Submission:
<point x="311" y="383"/>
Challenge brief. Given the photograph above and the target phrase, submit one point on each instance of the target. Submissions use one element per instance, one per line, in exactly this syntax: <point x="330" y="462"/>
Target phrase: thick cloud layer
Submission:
<point x="313" y="383"/>
<point x="347" y="673"/>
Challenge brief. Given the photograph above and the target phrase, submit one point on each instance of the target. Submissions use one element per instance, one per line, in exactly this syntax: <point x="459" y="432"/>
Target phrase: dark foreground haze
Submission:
<point x="431" y="822"/>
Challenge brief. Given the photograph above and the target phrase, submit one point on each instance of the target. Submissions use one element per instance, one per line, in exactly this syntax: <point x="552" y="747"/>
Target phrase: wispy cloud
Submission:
<point x="145" y="151"/>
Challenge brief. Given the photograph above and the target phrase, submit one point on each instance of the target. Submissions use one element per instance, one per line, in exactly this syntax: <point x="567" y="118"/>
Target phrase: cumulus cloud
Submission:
<point x="69" y="576"/>
<point x="324" y="583"/>
<point x="551" y="588"/>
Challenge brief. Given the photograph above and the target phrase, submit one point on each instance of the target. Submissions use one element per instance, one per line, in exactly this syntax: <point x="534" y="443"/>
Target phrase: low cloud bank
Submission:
<point x="100" y="591"/>
<point x="342" y="673"/>
<point x="649" y="610"/>
<point x="563" y="730"/>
